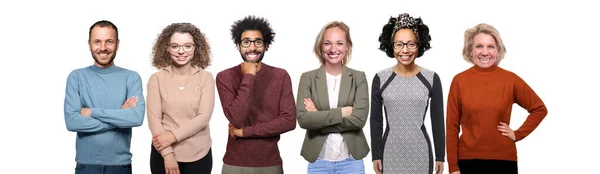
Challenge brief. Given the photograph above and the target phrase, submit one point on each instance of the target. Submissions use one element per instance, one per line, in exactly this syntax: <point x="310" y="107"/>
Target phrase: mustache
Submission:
<point x="103" y="51"/>
<point x="255" y="52"/>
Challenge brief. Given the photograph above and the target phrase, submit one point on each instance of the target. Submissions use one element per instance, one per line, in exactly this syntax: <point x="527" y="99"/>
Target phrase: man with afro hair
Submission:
<point x="257" y="100"/>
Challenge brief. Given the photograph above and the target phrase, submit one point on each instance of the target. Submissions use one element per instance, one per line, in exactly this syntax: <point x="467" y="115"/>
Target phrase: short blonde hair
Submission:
<point x="486" y="29"/>
<point x="319" y="41"/>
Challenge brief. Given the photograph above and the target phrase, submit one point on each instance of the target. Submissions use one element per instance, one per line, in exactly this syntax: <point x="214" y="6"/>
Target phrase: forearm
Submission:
<point x="121" y="118"/>
<point x="318" y="119"/>
<point x="76" y="122"/>
<point x="156" y="128"/>
<point x="270" y="129"/>
<point x="533" y="120"/>
<point x="355" y="121"/>
<point x="236" y="103"/>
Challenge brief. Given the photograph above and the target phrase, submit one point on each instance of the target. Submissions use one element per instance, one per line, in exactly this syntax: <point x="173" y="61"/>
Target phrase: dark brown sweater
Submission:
<point x="263" y="105"/>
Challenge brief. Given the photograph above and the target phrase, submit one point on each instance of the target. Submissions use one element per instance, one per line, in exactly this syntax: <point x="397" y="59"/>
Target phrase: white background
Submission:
<point x="551" y="45"/>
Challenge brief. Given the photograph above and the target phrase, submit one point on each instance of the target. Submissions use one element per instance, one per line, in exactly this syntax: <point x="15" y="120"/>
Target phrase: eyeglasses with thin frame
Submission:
<point x="410" y="45"/>
<point x="189" y="47"/>
<point x="258" y="43"/>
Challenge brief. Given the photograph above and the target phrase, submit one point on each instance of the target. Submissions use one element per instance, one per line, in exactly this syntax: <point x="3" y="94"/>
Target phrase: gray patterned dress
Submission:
<point x="404" y="147"/>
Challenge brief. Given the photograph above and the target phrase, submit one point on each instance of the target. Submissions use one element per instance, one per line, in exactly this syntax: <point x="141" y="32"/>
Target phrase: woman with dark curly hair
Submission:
<point x="180" y="102"/>
<point x="404" y="91"/>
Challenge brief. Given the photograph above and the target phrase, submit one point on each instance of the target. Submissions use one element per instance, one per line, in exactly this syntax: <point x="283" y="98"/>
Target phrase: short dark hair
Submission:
<point x="389" y="31"/>
<point x="103" y="23"/>
<point x="252" y="23"/>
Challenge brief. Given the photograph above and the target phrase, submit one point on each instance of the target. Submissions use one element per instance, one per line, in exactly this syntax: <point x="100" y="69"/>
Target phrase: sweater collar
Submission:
<point x="488" y="70"/>
<point x="110" y="69"/>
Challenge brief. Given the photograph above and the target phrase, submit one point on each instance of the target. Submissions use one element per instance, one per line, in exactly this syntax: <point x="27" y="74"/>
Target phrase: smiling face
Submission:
<point x="252" y="47"/>
<point x="405" y="47"/>
<point x="335" y="46"/>
<point x="484" y="50"/>
<point x="181" y="48"/>
<point x="103" y="45"/>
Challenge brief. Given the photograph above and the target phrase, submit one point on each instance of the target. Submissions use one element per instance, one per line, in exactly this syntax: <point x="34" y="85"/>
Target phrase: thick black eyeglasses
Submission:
<point x="410" y="45"/>
<point x="258" y="43"/>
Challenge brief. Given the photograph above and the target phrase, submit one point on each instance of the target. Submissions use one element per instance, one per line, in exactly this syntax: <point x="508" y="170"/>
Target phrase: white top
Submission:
<point x="335" y="148"/>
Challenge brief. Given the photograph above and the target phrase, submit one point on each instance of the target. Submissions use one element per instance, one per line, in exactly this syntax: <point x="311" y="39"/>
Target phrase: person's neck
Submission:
<point x="258" y="66"/>
<point x="182" y="70"/>
<point x="333" y="69"/>
<point x="406" y="70"/>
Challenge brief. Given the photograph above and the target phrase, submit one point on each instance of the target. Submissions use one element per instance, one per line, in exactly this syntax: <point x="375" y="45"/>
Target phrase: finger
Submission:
<point x="126" y="104"/>
<point x="503" y="124"/>
<point x="177" y="170"/>
<point x="311" y="102"/>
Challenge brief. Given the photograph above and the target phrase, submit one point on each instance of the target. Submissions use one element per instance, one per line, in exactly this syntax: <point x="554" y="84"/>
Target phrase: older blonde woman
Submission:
<point x="480" y="102"/>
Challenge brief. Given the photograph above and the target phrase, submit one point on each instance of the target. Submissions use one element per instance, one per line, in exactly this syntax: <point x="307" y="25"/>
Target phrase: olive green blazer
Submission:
<point x="353" y="92"/>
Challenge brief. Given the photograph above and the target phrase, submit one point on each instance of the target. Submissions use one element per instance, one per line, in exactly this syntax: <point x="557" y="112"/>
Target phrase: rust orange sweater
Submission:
<point x="479" y="99"/>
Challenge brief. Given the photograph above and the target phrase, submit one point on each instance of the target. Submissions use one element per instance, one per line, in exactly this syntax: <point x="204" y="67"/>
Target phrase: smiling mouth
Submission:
<point x="406" y="58"/>
<point x="181" y="58"/>
<point x="485" y="60"/>
<point x="252" y="55"/>
<point x="333" y="55"/>
<point x="103" y="55"/>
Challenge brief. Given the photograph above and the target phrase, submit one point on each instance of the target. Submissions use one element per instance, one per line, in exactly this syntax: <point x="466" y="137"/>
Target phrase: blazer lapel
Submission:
<point x="345" y="86"/>
<point x="322" y="89"/>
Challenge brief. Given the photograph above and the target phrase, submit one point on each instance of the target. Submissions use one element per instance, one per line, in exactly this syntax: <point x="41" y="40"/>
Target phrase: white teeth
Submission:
<point x="333" y="56"/>
<point x="485" y="60"/>
<point x="252" y="55"/>
<point x="405" y="57"/>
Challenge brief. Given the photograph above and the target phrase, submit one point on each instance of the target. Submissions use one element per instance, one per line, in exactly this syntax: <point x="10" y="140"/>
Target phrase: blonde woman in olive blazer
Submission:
<point x="334" y="138"/>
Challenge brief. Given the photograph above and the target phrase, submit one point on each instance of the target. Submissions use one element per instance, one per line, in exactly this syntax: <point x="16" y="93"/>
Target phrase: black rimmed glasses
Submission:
<point x="410" y="45"/>
<point x="258" y="43"/>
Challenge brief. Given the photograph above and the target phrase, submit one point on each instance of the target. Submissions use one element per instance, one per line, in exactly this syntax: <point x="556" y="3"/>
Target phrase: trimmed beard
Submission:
<point x="262" y="54"/>
<point x="109" y="62"/>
